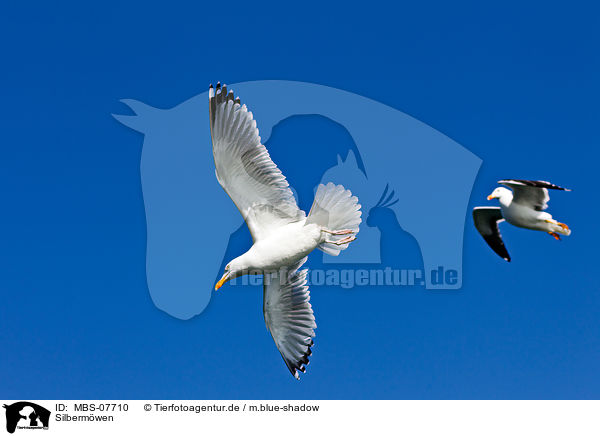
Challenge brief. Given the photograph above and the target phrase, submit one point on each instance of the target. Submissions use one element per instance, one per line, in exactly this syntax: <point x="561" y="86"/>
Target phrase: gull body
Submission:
<point x="285" y="246"/>
<point x="523" y="216"/>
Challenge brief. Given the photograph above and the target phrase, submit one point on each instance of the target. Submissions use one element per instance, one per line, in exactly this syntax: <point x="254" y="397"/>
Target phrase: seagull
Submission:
<point x="521" y="207"/>
<point x="282" y="234"/>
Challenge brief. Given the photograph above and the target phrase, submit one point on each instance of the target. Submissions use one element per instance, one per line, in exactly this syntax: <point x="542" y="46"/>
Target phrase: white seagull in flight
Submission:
<point x="521" y="207"/>
<point x="282" y="233"/>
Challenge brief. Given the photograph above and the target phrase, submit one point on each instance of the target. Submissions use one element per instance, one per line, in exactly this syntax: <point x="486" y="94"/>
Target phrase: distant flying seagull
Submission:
<point x="521" y="207"/>
<point x="282" y="233"/>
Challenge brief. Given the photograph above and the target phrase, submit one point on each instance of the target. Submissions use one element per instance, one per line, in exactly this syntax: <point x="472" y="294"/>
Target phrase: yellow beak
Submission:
<point x="223" y="280"/>
<point x="490" y="197"/>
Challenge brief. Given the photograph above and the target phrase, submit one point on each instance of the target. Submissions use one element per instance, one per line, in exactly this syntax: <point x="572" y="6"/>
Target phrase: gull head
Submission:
<point x="499" y="193"/>
<point x="233" y="269"/>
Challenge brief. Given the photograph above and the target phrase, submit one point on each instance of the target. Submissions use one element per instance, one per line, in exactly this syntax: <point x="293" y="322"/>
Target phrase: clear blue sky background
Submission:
<point x="516" y="84"/>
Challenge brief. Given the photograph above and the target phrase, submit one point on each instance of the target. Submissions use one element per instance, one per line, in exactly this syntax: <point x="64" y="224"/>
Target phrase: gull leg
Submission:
<point x="564" y="229"/>
<point x="338" y="232"/>
<point x="556" y="235"/>
<point x="564" y="226"/>
<point x="346" y="240"/>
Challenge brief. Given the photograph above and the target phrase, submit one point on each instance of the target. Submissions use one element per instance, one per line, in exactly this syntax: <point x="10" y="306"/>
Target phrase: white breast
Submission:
<point x="522" y="216"/>
<point x="285" y="246"/>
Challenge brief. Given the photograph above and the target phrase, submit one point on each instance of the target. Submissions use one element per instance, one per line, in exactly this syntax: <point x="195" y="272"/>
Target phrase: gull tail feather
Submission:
<point x="335" y="209"/>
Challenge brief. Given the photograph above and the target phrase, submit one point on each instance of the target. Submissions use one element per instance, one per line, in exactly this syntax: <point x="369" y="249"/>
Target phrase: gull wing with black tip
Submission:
<point x="244" y="167"/>
<point x="289" y="316"/>
<point x="531" y="193"/>
<point x="532" y="183"/>
<point x="486" y="222"/>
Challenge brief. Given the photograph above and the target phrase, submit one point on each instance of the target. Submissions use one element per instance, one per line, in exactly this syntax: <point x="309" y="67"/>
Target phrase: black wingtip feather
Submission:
<point x="535" y="184"/>
<point x="300" y="365"/>
<point x="491" y="216"/>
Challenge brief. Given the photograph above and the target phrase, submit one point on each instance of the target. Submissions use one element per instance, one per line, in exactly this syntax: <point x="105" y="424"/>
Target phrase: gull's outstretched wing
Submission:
<point x="531" y="193"/>
<point x="486" y="221"/>
<point x="289" y="316"/>
<point x="245" y="169"/>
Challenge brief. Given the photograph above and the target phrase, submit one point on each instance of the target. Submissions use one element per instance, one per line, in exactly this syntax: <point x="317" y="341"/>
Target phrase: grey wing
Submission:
<point x="245" y="169"/>
<point x="532" y="193"/>
<point x="289" y="316"/>
<point x="534" y="197"/>
<point x="486" y="222"/>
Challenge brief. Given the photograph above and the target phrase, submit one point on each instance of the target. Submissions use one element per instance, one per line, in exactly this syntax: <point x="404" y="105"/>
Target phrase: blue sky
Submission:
<point x="515" y="84"/>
